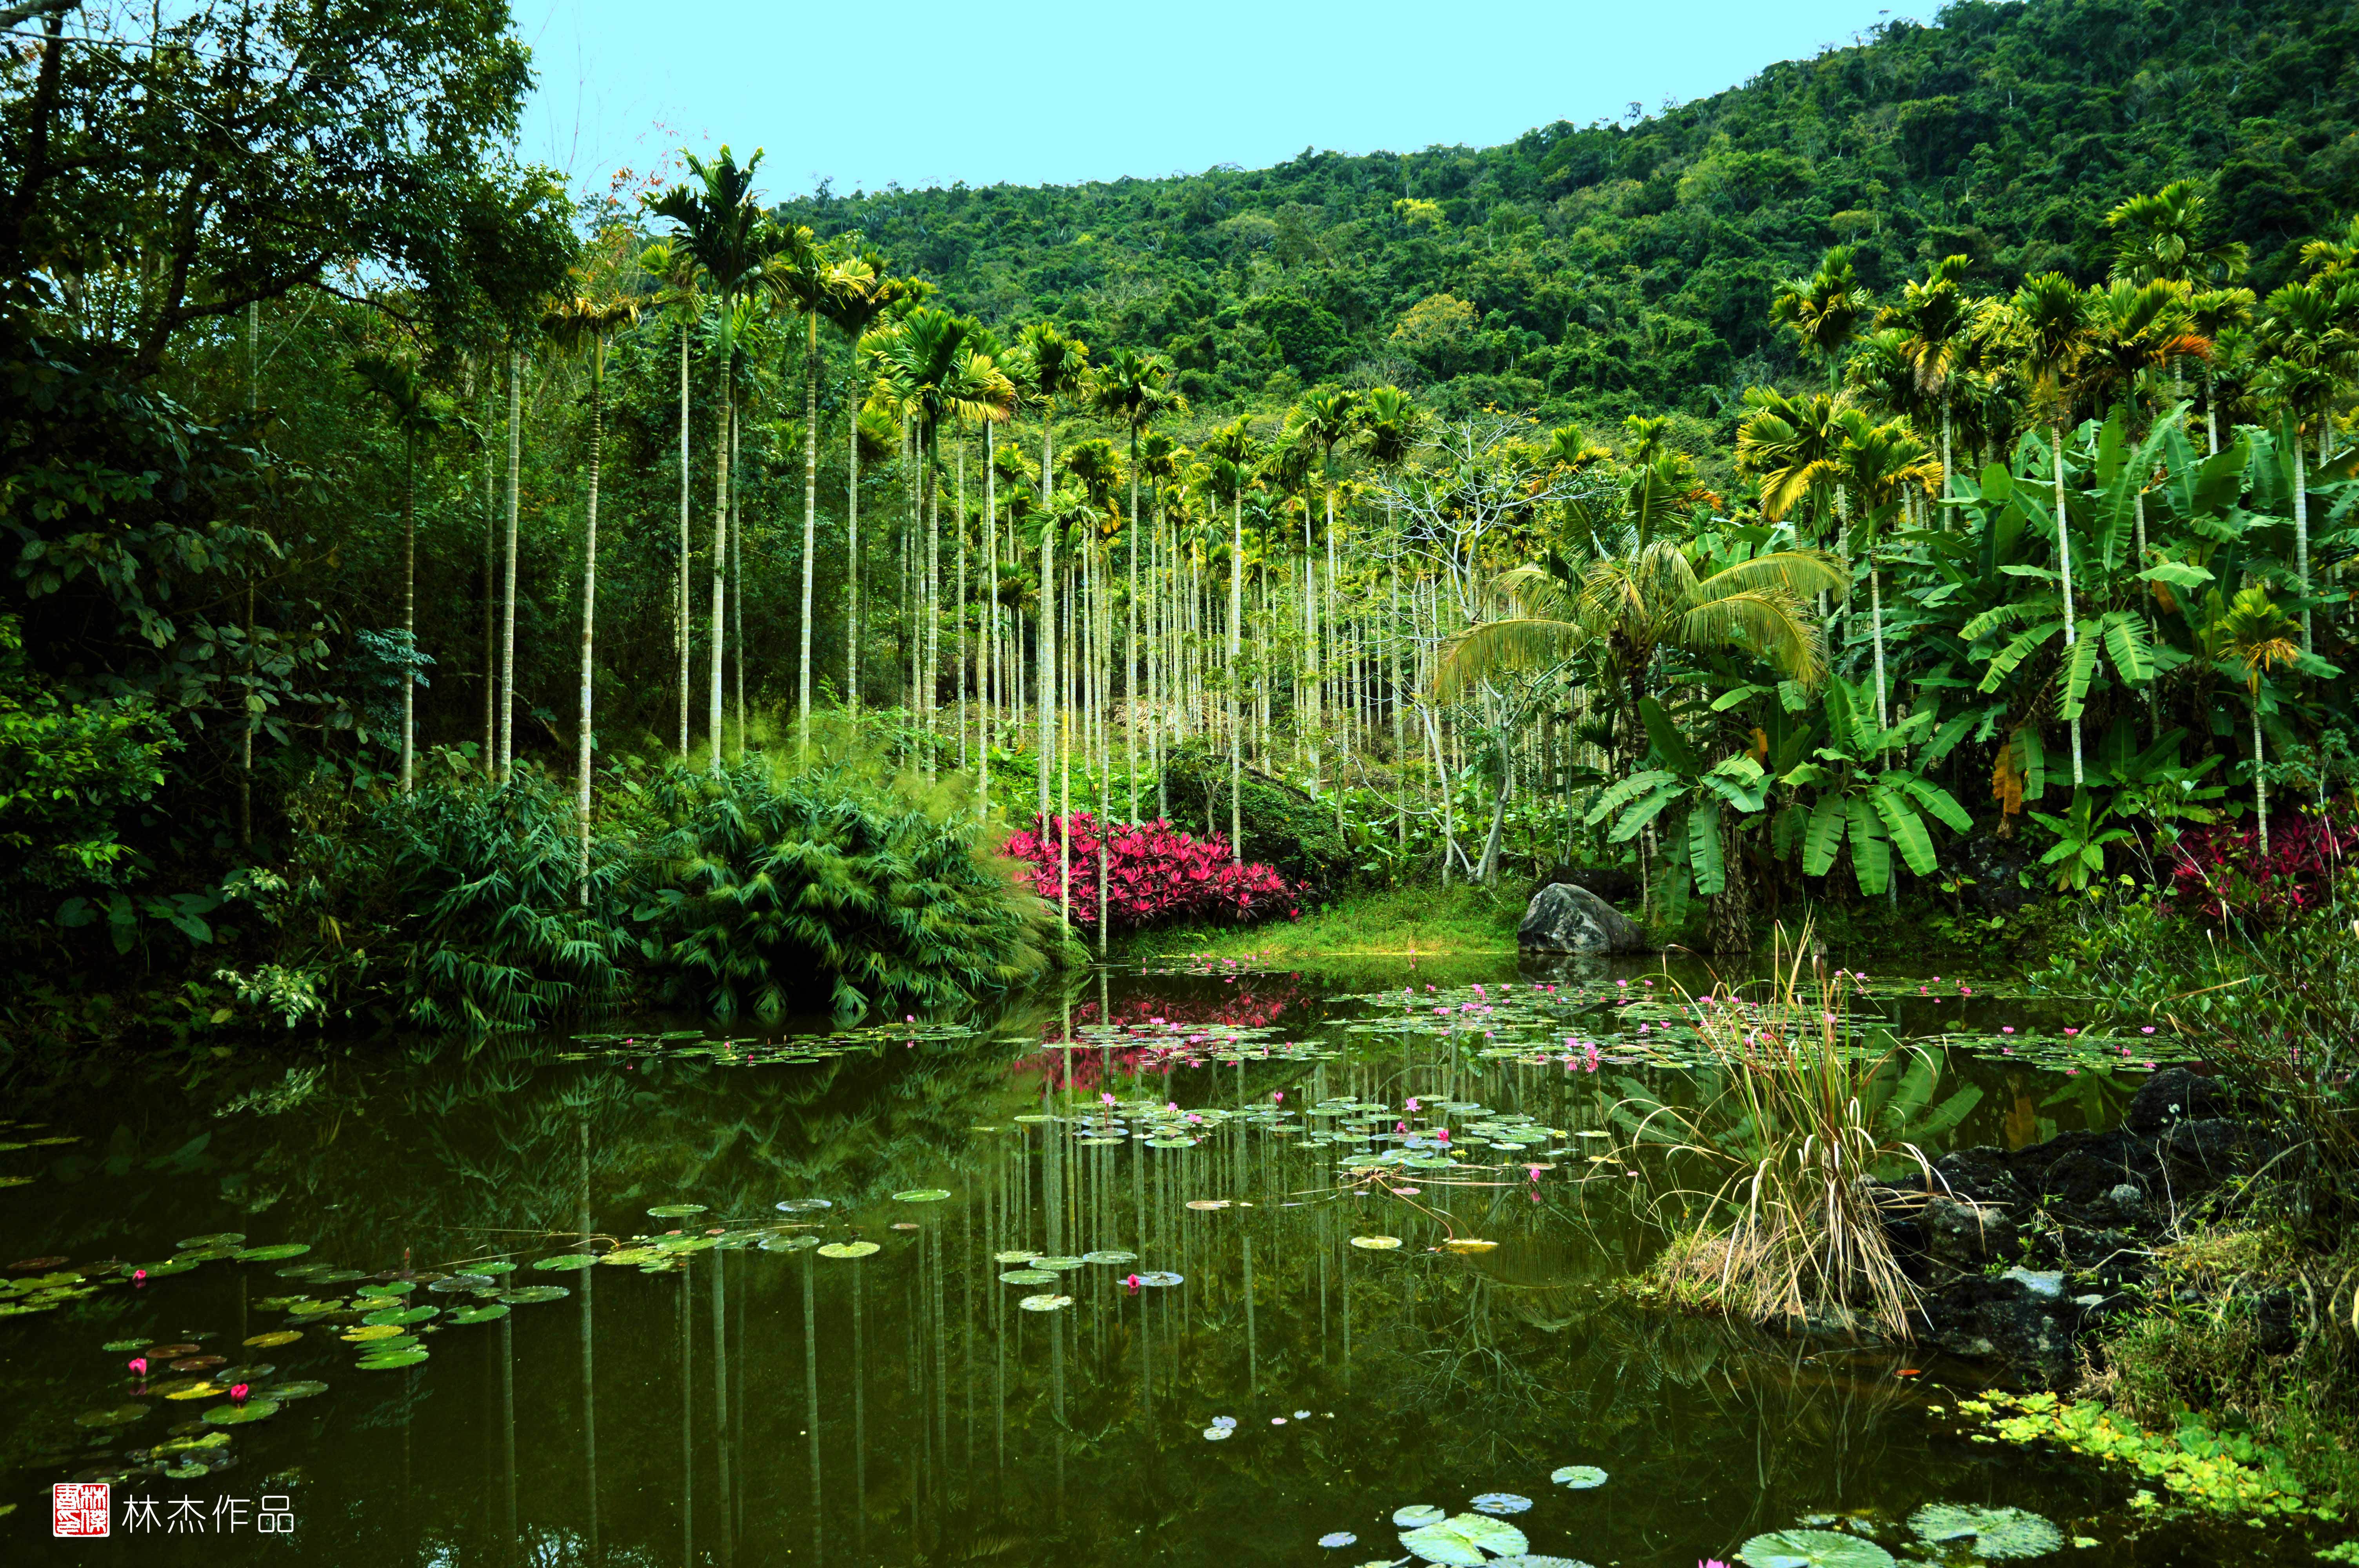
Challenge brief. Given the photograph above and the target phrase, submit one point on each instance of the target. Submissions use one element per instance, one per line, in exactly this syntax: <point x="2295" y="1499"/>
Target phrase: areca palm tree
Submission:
<point x="815" y="280"/>
<point x="2306" y="353"/>
<point x="581" y="323"/>
<point x="724" y="229"/>
<point x="676" y="276"/>
<point x="1230" y="455"/>
<point x="1882" y="465"/>
<point x="1941" y="330"/>
<point x="1135" y="390"/>
<point x="2049" y="329"/>
<point x="853" y="311"/>
<point x="2246" y="639"/>
<point x="2211" y="313"/>
<point x="417" y="411"/>
<point x="1053" y="367"/>
<point x="1823" y="310"/>
<point x="2160" y="239"/>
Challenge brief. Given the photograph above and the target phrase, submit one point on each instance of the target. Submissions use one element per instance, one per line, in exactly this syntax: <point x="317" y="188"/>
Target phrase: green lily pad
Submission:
<point x="1376" y="1243"/>
<point x="389" y="1288"/>
<point x="401" y="1314"/>
<point x="1045" y="1302"/>
<point x="119" y="1415"/>
<point x="922" y="1194"/>
<point x="220" y="1238"/>
<point x="1463" y="1541"/>
<point x="1114" y="1255"/>
<point x="676" y="1210"/>
<point x="302" y="1389"/>
<point x="238" y="1415"/>
<point x="1579" y="1478"/>
<point x="120" y="1345"/>
<point x="1812" y="1549"/>
<point x="848" y="1249"/>
<point x="1027" y="1277"/>
<point x="490" y="1312"/>
<point x="532" y="1294"/>
<point x="398" y="1359"/>
<point x="496" y="1266"/>
<point x="790" y="1243"/>
<point x="569" y="1260"/>
<point x="335" y="1276"/>
<point x="1060" y="1265"/>
<point x="271" y="1254"/>
<point x="1996" y="1532"/>
<point x="1417" y="1514"/>
<point x="1020" y="1255"/>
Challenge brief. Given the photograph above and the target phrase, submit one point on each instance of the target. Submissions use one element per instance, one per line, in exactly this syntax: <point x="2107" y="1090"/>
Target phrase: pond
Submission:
<point x="1161" y="1269"/>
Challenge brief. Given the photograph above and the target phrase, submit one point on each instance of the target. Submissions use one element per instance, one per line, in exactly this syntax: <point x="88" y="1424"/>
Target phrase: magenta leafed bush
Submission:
<point x="2217" y="871"/>
<point x="1156" y="875"/>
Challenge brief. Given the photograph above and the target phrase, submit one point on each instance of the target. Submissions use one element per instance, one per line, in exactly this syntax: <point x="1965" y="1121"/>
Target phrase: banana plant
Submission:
<point x="1872" y="806"/>
<point x="2081" y="834"/>
<point x="1691" y="800"/>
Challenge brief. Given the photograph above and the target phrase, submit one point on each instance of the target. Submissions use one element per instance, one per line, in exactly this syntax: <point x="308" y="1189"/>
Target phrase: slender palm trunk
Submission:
<point x="991" y="621"/>
<point x="852" y="560"/>
<point x="810" y="532"/>
<point x="2260" y="781"/>
<point x="958" y="522"/>
<point x="1045" y="661"/>
<point x="930" y="454"/>
<point x="1236" y="685"/>
<point x="720" y="553"/>
<point x="588" y="616"/>
<point x="409" y="613"/>
<point x="1876" y="623"/>
<point x="491" y="596"/>
<point x="509" y="594"/>
<point x="1946" y="489"/>
<point x="1130" y="639"/>
<point x="737" y="580"/>
<point x="681" y="610"/>
<point x="2064" y="571"/>
<point x="2301" y="535"/>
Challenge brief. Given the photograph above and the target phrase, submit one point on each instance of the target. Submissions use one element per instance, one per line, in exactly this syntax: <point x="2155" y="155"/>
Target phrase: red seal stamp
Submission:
<point x="80" y="1508"/>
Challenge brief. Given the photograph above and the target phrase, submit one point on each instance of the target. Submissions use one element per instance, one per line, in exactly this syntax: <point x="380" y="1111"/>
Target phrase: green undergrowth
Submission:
<point x="1405" y="924"/>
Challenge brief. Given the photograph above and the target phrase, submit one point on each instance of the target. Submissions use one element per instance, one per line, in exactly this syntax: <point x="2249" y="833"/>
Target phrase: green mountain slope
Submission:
<point x="1591" y="272"/>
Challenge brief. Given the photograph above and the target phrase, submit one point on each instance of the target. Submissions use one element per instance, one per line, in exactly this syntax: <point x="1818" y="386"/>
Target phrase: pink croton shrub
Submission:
<point x="1156" y="875"/>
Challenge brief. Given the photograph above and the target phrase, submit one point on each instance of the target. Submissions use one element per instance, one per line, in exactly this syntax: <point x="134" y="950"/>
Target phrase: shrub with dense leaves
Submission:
<point x="1156" y="875"/>
<point x="2218" y="873"/>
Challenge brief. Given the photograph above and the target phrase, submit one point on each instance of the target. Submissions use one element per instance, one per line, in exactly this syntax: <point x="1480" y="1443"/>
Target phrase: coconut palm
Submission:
<point x="1794" y="447"/>
<point x="416" y="412"/>
<point x="2049" y="330"/>
<point x="813" y="279"/>
<point x="1823" y="310"/>
<point x="581" y="323"/>
<point x="1134" y="390"/>
<point x="720" y="226"/>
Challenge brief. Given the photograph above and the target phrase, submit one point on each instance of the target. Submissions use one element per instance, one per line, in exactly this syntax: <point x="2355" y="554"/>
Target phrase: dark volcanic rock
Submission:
<point x="1565" y="918"/>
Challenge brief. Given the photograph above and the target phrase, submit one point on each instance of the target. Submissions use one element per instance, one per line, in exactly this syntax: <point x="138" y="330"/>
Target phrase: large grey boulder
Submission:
<point x="1567" y="918"/>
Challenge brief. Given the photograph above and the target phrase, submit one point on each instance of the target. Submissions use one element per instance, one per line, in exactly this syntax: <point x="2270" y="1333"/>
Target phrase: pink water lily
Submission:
<point x="237" y="1392"/>
<point x="138" y="1365"/>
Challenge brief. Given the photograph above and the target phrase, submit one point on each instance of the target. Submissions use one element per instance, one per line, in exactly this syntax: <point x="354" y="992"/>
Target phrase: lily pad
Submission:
<point x="220" y="1238"/>
<point x="1996" y="1532"/>
<point x="120" y="1345"/>
<point x="1019" y="1256"/>
<point x="1027" y="1277"/>
<point x="401" y="1315"/>
<point x="1465" y="1541"/>
<point x="802" y="1205"/>
<point x="789" y="1243"/>
<point x="848" y="1249"/>
<point x="1110" y="1255"/>
<point x="532" y="1294"/>
<point x="1162" y="1278"/>
<point x="1376" y="1243"/>
<point x="271" y="1254"/>
<point x="1500" y="1503"/>
<point x="374" y="1331"/>
<point x="1579" y="1478"/>
<point x="238" y="1415"/>
<point x="301" y="1389"/>
<point x="202" y="1388"/>
<point x="275" y="1339"/>
<point x="922" y="1194"/>
<point x="1045" y="1302"/>
<point x="118" y="1415"/>
<point x="1337" y="1539"/>
<point x="393" y="1362"/>
<point x="676" y="1210"/>
<point x="1812" y="1549"/>
<point x="1060" y="1265"/>
<point x="490" y="1312"/>
<point x="568" y="1261"/>
<point x="1416" y="1514"/>
<point x="388" y="1287"/>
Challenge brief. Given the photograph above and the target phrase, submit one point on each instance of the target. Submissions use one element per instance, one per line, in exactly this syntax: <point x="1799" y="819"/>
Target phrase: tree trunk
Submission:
<point x="1044" y="664"/>
<point x="682" y="607"/>
<point x="589" y="615"/>
<point x="2260" y="782"/>
<point x="491" y="595"/>
<point x="1236" y="692"/>
<point x="994" y="662"/>
<point x="509" y="593"/>
<point x="719" y="553"/>
<point x="810" y="532"/>
<point x="852" y="560"/>
<point x="1732" y="907"/>
<point x="2064" y="571"/>
<point x="738" y="581"/>
<point x="2302" y="534"/>
<point x="1875" y="625"/>
<point x="409" y="611"/>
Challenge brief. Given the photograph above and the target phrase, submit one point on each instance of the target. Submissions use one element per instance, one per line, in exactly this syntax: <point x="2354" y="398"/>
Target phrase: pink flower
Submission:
<point x="1133" y="1281"/>
<point x="138" y="1365"/>
<point x="2007" y="1029"/>
<point x="2146" y="1029"/>
<point x="1412" y="1102"/>
<point x="138" y="1276"/>
<point x="237" y="1392"/>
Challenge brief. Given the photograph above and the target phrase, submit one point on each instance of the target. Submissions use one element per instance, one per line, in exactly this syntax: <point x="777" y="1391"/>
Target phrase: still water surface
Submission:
<point x="806" y="1369"/>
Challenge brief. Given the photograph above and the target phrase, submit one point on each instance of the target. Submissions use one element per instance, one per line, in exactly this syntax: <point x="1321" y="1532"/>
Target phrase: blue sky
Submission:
<point x="926" y="94"/>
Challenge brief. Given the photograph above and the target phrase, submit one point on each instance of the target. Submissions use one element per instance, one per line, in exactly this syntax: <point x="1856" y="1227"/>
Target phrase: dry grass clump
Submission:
<point x="1794" y="1150"/>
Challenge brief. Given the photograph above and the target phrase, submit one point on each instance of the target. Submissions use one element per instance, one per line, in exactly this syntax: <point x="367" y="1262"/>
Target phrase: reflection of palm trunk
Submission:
<point x="720" y="1298"/>
<point x="589" y="1368"/>
<point x="508" y="1418"/>
<point x="810" y="1407"/>
<point x="859" y="1412"/>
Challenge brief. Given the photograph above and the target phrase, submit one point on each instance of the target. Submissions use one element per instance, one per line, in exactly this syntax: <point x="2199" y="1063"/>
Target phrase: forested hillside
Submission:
<point x="1587" y="273"/>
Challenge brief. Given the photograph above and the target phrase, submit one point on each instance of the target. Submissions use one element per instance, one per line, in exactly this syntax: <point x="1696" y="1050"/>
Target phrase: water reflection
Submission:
<point x="757" y="1392"/>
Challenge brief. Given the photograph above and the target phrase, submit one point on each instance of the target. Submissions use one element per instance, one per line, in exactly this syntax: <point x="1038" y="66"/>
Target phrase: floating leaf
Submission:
<point x="301" y="1390"/>
<point x="199" y="1363"/>
<point x="1015" y="1257"/>
<point x="368" y="1332"/>
<point x="490" y="1312"/>
<point x="203" y="1389"/>
<point x="1500" y="1503"/>
<point x="1044" y="1303"/>
<point x="1461" y="1540"/>
<point x="388" y="1287"/>
<point x="275" y="1339"/>
<point x="1027" y="1277"/>
<point x="532" y="1294"/>
<point x="119" y="1415"/>
<point x="220" y="1238"/>
<point x="1061" y="1265"/>
<point x="1161" y="1278"/>
<point x="402" y="1314"/>
<point x="1219" y="1434"/>
<point x="393" y="1362"/>
<point x="788" y="1243"/>
<point x="1376" y="1243"/>
<point x="1996" y="1532"/>
<point x="1812" y="1549"/>
<point x="120" y="1345"/>
<point x="848" y="1249"/>
<point x="922" y="1194"/>
<point x="238" y="1415"/>
<point x="802" y="1205"/>
<point x="1468" y="1244"/>
<point x="676" y="1210"/>
<point x="273" y="1253"/>
<point x="1579" y="1478"/>
<point x="568" y="1261"/>
<point x="1416" y="1514"/>
<point x="1114" y="1255"/>
<point x="497" y="1266"/>
<point x="1338" y="1538"/>
<point x="1208" y="1203"/>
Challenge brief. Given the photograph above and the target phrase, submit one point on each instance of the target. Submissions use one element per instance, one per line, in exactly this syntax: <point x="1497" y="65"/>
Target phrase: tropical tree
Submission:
<point x="2307" y="353"/>
<point x="1882" y="467"/>
<point x="853" y="311"/>
<point x="417" y="411"/>
<point x="1051" y="367"/>
<point x="2161" y="239"/>
<point x="1941" y="331"/>
<point x="2246" y="639"/>
<point x="1700" y="808"/>
<point x="1134" y="390"/>
<point x="678" y="277"/>
<point x="1823" y="310"/>
<point x="1857" y="797"/>
<point x="2049" y="332"/>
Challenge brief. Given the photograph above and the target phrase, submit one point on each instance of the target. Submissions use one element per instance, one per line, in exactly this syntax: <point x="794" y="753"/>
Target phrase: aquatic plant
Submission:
<point x="1806" y="1127"/>
<point x="2225" y="1473"/>
<point x="1996" y="1533"/>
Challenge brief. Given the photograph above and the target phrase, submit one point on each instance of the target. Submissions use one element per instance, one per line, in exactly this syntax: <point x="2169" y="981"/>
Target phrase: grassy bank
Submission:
<point x="1409" y="923"/>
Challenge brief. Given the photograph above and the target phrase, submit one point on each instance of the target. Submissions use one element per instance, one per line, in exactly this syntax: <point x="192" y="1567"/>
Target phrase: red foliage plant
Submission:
<point x="1156" y="875"/>
<point x="2217" y="871"/>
